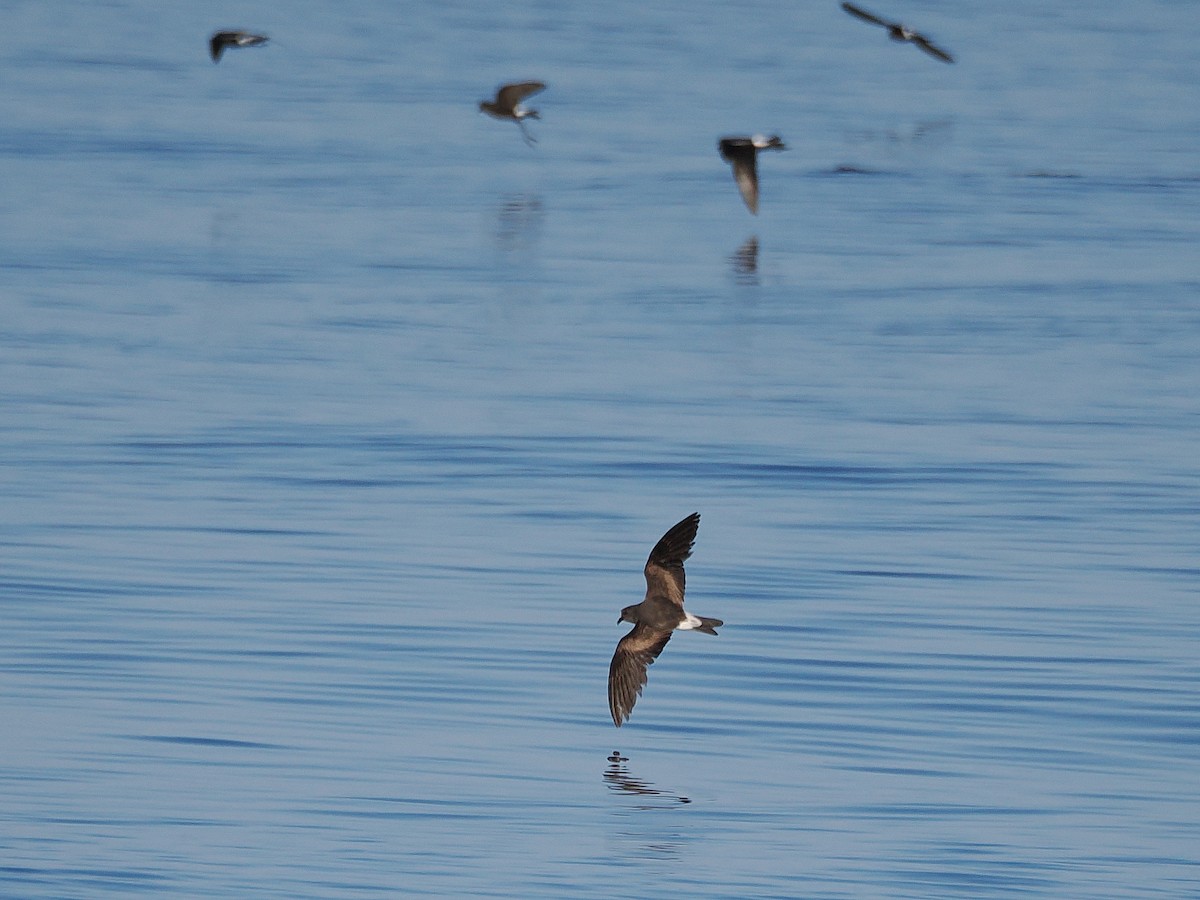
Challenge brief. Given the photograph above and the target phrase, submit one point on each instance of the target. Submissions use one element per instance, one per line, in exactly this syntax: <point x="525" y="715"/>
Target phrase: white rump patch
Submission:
<point x="689" y="623"/>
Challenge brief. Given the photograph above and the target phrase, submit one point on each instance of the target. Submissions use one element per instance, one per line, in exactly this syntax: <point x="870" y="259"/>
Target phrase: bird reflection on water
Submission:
<point x="518" y="221"/>
<point x="617" y="777"/>
<point x="745" y="261"/>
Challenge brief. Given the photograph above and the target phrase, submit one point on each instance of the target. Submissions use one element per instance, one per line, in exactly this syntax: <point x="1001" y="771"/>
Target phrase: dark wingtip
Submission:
<point x="676" y="545"/>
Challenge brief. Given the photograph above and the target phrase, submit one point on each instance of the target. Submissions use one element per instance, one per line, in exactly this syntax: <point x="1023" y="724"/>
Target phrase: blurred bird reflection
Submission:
<point x="617" y="777"/>
<point x="745" y="261"/>
<point x="518" y="221"/>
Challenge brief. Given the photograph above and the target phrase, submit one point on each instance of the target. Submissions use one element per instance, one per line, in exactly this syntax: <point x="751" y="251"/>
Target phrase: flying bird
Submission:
<point x="654" y="618"/>
<point x="900" y="32"/>
<point x="222" y="39"/>
<point x="507" y="105"/>
<point x="742" y="154"/>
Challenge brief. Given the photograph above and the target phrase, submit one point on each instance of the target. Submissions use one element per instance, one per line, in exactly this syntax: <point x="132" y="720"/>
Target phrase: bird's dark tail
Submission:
<point x="708" y="626"/>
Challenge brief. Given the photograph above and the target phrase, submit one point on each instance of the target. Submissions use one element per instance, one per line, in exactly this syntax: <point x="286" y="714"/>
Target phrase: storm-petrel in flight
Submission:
<point x="507" y="105"/>
<point x="742" y="154"/>
<point x="900" y="32"/>
<point x="222" y="39"/>
<point x="654" y="618"/>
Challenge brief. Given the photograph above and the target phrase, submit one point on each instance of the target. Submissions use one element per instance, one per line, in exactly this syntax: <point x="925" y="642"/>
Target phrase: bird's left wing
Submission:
<point x="627" y="671"/>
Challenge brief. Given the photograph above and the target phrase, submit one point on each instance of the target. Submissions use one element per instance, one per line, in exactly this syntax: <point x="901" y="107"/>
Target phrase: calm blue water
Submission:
<point x="336" y="425"/>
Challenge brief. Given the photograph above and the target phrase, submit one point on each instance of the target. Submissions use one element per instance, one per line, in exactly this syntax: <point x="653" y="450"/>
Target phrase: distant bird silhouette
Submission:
<point x="222" y="39"/>
<point x="507" y="105"/>
<point x="742" y="154"/>
<point x="900" y="32"/>
<point x="654" y="618"/>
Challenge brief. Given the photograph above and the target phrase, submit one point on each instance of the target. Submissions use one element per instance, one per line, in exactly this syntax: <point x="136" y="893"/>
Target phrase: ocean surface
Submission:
<point x="336" y="424"/>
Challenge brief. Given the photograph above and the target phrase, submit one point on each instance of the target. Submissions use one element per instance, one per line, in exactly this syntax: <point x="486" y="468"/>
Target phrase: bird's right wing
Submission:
<point x="664" y="568"/>
<point x="932" y="49"/>
<point x="745" y="173"/>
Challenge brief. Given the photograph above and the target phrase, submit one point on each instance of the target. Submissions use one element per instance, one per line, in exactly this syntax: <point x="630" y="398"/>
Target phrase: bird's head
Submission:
<point x="627" y="615"/>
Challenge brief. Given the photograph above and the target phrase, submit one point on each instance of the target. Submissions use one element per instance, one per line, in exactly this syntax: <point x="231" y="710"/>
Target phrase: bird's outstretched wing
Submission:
<point x="627" y="671"/>
<point x="866" y="16"/>
<point x="511" y="94"/>
<point x="743" y="156"/>
<point x="664" y="569"/>
<point x="745" y="173"/>
<point x="932" y="49"/>
<point x="216" y="44"/>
